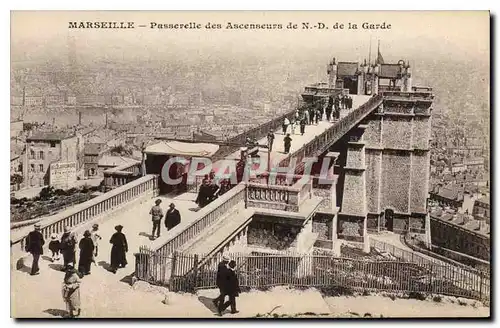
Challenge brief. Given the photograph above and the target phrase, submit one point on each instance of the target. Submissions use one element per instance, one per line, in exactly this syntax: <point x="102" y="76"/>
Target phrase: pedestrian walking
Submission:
<point x="86" y="246"/>
<point x="95" y="239"/>
<point x="302" y="126"/>
<point x="34" y="246"/>
<point x="286" y="123"/>
<point x="231" y="288"/>
<point x="71" y="291"/>
<point x="270" y="140"/>
<point x="287" y="143"/>
<point x="292" y="126"/>
<point x="318" y="115"/>
<point x="307" y="116"/>
<point x="119" y="249"/>
<point x="156" y="216"/>
<point x="173" y="217"/>
<point x="219" y="281"/>
<point x="68" y="245"/>
<point x="54" y="247"/>
<point x="328" y="109"/>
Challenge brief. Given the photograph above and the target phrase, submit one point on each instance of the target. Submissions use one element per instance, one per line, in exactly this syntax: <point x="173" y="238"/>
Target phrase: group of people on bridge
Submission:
<point x="66" y="246"/>
<point x="172" y="218"/>
<point x="210" y="190"/>
<point x="313" y="114"/>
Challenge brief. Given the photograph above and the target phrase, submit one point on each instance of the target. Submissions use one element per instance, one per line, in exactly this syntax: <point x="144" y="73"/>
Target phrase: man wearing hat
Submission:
<point x="156" y="216"/>
<point x="173" y="217"/>
<point x="34" y="245"/>
<point x="270" y="140"/>
<point x="220" y="280"/>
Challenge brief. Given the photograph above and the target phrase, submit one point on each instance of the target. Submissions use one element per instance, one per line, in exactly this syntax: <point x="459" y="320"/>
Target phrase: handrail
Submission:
<point x="209" y="214"/>
<point x="257" y="132"/>
<point x="85" y="211"/>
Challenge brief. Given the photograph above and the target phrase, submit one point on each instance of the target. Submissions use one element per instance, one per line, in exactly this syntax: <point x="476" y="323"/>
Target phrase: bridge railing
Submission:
<point x="258" y="132"/>
<point x="416" y="95"/>
<point x="88" y="210"/>
<point x="278" y="197"/>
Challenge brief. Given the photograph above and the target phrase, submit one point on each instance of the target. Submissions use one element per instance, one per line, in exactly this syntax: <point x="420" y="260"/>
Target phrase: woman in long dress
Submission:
<point x="119" y="249"/>
<point x="67" y="245"/>
<point x="86" y="253"/>
<point x="71" y="291"/>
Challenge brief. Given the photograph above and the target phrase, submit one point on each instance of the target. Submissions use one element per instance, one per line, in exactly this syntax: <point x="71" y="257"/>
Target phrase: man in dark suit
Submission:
<point x="220" y="281"/>
<point x="231" y="287"/>
<point x="173" y="217"/>
<point x="34" y="245"/>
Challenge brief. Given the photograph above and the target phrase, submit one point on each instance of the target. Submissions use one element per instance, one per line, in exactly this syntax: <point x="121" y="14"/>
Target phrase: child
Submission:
<point x="54" y="247"/>
<point x="94" y="235"/>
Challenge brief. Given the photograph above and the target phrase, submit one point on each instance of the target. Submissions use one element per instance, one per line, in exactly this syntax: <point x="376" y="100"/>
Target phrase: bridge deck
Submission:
<point x="298" y="141"/>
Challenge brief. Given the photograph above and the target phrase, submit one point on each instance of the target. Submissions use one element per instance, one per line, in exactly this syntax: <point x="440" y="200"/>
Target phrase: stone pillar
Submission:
<point x="428" y="240"/>
<point x="354" y="203"/>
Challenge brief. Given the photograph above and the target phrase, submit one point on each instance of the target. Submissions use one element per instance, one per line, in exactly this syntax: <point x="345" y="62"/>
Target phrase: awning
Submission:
<point x="187" y="149"/>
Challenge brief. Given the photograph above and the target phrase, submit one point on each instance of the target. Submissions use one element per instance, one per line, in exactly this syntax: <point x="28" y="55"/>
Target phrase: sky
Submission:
<point x="438" y="34"/>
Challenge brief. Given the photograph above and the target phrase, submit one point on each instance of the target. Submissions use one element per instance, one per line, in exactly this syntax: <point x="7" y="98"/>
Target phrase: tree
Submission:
<point x="16" y="179"/>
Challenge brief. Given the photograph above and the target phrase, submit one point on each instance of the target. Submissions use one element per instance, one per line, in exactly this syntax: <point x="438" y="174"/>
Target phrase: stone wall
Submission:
<point x="354" y="194"/>
<point x="271" y="235"/>
<point x="421" y="132"/>
<point x="322" y="225"/>
<point x="396" y="132"/>
<point x="419" y="182"/>
<point x="373" y="161"/>
<point x="396" y="180"/>
<point x="373" y="132"/>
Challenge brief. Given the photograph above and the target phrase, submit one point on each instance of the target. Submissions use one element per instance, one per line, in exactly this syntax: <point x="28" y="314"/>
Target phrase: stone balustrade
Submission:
<point x="274" y="197"/>
<point x="208" y="215"/>
<point x="91" y="209"/>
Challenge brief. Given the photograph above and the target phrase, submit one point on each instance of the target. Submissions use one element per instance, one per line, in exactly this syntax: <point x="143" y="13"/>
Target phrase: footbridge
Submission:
<point x="223" y="224"/>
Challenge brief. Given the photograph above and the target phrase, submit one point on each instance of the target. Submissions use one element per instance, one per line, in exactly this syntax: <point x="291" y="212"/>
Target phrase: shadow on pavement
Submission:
<point x="105" y="265"/>
<point x="57" y="267"/>
<point x="129" y="280"/>
<point x="208" y="302"/>
<point x="57" y="312"/>
<point x="145" y="234"/>
<point x="20" y="266"/>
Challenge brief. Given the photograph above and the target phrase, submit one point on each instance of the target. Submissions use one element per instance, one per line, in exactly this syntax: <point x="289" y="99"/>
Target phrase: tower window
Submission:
<point x="42" y="154"/>
<point x="41" y="167"/>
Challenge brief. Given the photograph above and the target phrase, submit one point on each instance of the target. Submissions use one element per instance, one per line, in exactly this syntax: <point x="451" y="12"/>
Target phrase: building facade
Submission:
<point x="481" y="209"/>
<point x="92" y="154"/>
<point x="45" y="148"/>
<point x="461" y="234"/>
